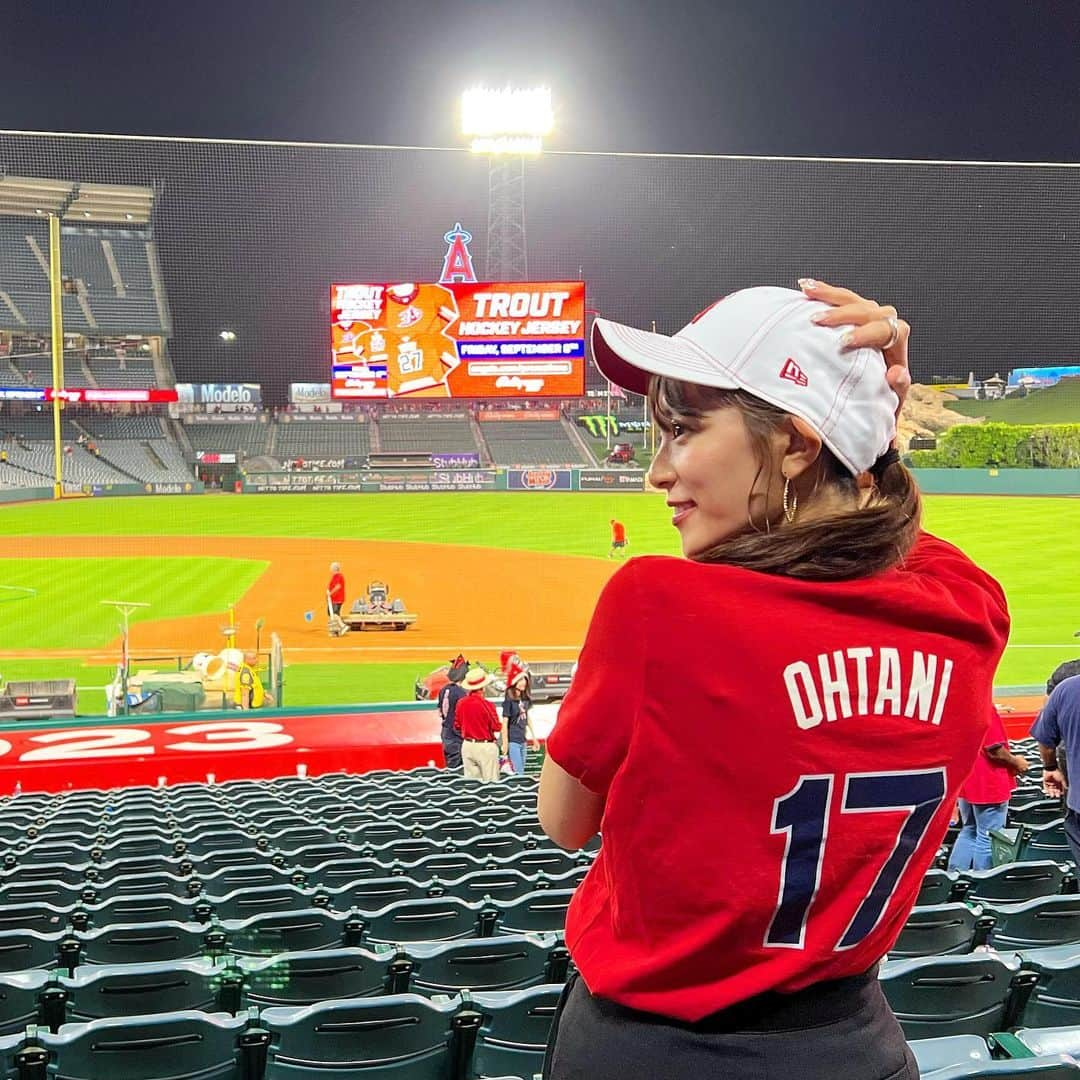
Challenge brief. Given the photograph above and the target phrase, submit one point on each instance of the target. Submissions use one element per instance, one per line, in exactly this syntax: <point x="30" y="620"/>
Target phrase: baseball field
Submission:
<point x="482" y="571"/>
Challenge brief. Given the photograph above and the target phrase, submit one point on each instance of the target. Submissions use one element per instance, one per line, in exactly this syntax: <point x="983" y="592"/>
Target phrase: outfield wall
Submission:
<point x="998" y="481"/>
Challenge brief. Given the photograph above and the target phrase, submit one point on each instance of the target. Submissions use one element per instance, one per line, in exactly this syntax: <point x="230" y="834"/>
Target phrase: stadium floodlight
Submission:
<point x="509" y="121"/>
<point x="228" y="336"/>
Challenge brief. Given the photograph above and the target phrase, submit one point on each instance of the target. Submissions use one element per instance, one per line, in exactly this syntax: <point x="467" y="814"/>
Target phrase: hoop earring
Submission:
<point x="791" y="501"/>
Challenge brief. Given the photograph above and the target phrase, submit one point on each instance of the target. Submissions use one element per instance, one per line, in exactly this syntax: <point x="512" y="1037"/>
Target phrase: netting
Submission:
<point x="981" y="259"/>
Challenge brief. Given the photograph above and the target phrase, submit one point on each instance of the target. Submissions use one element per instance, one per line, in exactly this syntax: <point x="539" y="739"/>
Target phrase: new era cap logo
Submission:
<point x="793" y="373"/>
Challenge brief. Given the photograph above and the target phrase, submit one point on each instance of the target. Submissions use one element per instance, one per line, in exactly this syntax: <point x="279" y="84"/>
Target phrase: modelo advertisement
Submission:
<point x="219" y="393"/>
<point x="611" y="480"/>
<point x="539" y="479"/>
<point x="501" y="339"/>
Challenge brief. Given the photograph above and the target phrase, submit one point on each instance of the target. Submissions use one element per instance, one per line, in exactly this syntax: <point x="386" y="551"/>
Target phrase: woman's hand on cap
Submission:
<point x="873" y="325"/>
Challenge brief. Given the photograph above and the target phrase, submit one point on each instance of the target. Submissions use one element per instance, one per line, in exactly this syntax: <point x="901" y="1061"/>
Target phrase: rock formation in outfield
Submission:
<point x="926" y="416"/>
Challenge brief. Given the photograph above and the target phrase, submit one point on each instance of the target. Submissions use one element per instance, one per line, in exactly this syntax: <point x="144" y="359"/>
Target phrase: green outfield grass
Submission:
<point x="1057" y="404"/>
<point x="67" y="613"/>
<point x="1027" y="543"/>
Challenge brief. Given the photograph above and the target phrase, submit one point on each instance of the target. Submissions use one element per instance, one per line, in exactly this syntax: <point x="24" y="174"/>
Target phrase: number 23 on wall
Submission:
<point x="802" y="815"/>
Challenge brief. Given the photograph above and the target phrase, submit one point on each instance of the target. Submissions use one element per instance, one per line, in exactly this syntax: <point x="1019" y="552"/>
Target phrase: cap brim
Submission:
<point x="629" y="358"/>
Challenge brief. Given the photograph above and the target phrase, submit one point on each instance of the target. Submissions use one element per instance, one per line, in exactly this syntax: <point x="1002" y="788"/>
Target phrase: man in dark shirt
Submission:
<point x="448" y="698"/>
<point x="1057" y="731"/>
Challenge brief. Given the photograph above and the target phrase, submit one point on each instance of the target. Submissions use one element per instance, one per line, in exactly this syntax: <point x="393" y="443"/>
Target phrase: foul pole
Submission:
<point x="57" y="328"/>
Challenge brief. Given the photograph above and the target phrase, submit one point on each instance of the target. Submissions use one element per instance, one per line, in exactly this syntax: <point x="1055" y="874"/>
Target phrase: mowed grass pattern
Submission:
<point x="67" y="612"/>
<point x="1028" y="544"/>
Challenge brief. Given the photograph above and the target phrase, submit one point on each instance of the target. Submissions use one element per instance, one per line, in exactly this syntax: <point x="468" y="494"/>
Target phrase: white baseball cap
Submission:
<point x="761" y="340"/>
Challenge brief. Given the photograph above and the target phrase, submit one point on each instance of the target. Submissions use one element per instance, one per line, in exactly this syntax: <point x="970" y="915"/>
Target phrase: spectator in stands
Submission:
<point x="984" y="798"/>
<point x="773" y="730"/>
<point x="478" y="724"/>
<point x="447" y="701"/>
<point x="517" y="732"/>
<point x="1057" y="731"/>
<point x="335" y="590"/>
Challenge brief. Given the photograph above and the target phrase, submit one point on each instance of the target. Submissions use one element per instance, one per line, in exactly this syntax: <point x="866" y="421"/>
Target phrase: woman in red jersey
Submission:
<point x="771" y="732"/>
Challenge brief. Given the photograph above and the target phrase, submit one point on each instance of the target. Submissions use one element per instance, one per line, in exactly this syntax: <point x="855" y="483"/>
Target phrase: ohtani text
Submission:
<point x="867" y="681"/>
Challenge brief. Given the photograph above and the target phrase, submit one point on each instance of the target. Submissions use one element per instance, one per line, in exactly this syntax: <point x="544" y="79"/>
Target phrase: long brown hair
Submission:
<point x="873" y="535"/>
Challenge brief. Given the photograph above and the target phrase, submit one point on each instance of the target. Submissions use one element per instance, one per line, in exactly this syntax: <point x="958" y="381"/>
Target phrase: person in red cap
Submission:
<point x="772" y="730"/>
<point x="517" y="732"/>
<point x="478" y="724"/>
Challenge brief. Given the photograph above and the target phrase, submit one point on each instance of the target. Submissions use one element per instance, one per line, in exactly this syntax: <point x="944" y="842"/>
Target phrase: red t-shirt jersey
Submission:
<point x="779" y="759"/>
<point x="989" y="781"/>
<point x="336" y="589"/>
<point x="618" y="533"/>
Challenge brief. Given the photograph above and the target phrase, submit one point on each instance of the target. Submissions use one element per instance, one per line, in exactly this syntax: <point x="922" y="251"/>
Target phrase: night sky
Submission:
<point x="941" y="79"/>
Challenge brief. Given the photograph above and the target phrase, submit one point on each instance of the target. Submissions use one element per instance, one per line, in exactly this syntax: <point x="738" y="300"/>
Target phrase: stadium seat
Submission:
<point x="98" y="992"/>
<point x="306" y="978"/>
<point x="148" y="943"/>
<point x="146" y="907"/>
<point x="1055" y="1067"/>
<point x="500" y="963"/>
<point x="1051" y="920"/>
<point x="248" y="902"/>
<point x="98" y="892"/>
<point x="1016" y="882"/>
<point x="41" y="918"/>
<point x="441" y="919"/>
<point x="1030" y="843"/>
<point x="1055" y="993"/>
<point x="42" y="891"/>
<point x="294" y="931"/>
<point x="1051" y="1040"/>
<point x="1036" y="812"/>
<point x="954" y="995"/>
<point x="941" y="930"/>
<point x="937" y="887"/>
<point x="20" y="994"/>
<point x="405" y="1037"/>
<point x="336" y="873"/>
<point x="514" y="1030"/>
<point x="934" y="1056"/>
<point x="180" y="1046"/>
<point x="370" y="893"/>
<point x="543" y="910"/>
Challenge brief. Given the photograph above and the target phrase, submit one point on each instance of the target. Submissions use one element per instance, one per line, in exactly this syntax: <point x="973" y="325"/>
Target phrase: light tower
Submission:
<point x="508" y="126"/>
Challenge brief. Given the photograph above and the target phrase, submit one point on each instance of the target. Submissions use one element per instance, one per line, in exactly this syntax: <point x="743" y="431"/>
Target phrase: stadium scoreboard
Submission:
<point x="458" y="340"/>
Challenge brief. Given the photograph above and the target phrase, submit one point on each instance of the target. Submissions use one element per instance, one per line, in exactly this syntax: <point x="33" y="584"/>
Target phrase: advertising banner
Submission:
<point x="22" y="393"/>
<point x="367" y="480"/>
<point x="219" y="393"/>
<point x="455" y="461"/>
<point x="103" y="395"/>
<point x="539" y="480"/>
<point x="309" y="393"/>
<point x="501" y="415"/>
<point x="611" y="480"/>
<point x="212" y="457"/>
<point x="459" y="340"/>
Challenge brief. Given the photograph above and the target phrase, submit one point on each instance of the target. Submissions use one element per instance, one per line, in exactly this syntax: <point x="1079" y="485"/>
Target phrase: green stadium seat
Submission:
<point x="940" y="930"/>
<point x="934" y="1056"/>
<point x="100" y="992"/>
<point x="536" y="912"/>
<point x="1055" y="975"/>
<point x="305" y="978"/>
<point x="336" y="873"/>
<point x="139" y="884"/>
<point x="41" y="891"/>
<point x="180" y="1046"/>
<point x="41" y="918"/>
<point x="148" y="943"/>
<point x="293" y="931"/>
<point x="1055" y="1067"/>
<point x="1030" y="843"/>
<point x="954" y="995"/>
<point x="439" y="919"/>
<point x="1036" y="812"/>
<point x="229" y="878"/>
<point x="1051" y="1040"/>
<point x="937" y="888"/>
<point x="146" y="907"/>
<point x="500" y="963"/>
<point x="20" y="995"/>
<point x="397" y="1037"/>
<point x="248" y="902"/>
<point x="370" y="893"/>
<point x="1051" y="920"/>
<point x="1015" y="882"/>
<point x="514" y="1031"/>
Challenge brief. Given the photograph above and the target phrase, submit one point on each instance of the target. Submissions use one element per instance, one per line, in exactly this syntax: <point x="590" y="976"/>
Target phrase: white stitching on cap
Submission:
<point x="763" y="331"/>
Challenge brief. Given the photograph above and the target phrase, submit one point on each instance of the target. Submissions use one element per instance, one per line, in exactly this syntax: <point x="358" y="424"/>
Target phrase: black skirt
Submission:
<point x="842" y="1030"/>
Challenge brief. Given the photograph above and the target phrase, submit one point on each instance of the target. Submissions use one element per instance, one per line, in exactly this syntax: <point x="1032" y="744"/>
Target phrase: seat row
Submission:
<point x="243" y="903"/>
<point x="1009" y="883"/>
<point x="410" y="1037"/>
<point x="436" y="919"/>
<point x="941" y="929"/>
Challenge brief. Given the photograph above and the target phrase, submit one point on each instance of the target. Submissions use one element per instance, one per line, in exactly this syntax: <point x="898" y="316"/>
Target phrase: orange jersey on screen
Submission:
<point x="420" y="352"/>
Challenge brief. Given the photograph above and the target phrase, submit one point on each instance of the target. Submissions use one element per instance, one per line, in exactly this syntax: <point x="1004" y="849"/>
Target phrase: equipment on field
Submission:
<point x="376" y="611"/>
<point x="336" y="626"/>
<point x="621" y="454"/>
<point x="37" y="699"/>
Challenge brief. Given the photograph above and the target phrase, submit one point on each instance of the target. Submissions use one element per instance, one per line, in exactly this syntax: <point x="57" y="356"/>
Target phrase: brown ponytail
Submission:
<point x="873" y="535"/>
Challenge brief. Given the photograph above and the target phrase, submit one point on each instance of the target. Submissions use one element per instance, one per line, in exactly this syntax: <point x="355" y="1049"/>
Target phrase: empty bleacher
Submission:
<point x="409" y="925"/>
<point x="118" y="373"/>
<point x="248" y="438"/>
<point x="433" y="434"/>
<point x="532" y="442"/>
<point x="320" y="439"/>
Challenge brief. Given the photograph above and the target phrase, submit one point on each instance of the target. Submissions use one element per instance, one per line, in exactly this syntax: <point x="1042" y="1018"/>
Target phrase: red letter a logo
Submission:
<point x="457" y="266"/>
